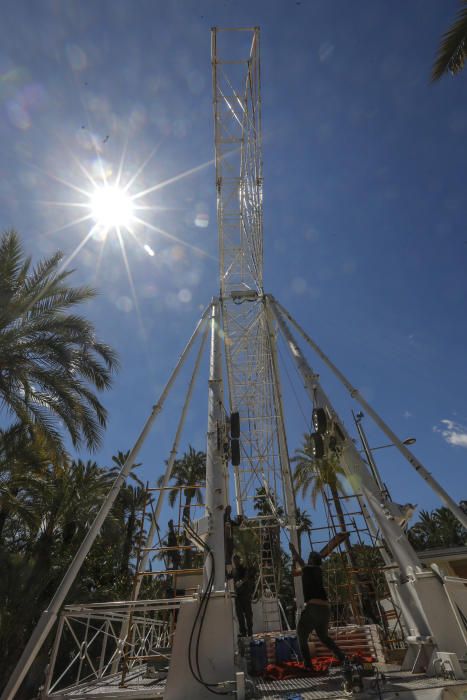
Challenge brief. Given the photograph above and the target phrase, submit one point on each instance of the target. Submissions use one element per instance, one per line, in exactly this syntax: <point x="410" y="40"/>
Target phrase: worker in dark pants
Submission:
<point x="243" y="597"/>
<point x="315" y="615"/>
<point x="172" y="543"/>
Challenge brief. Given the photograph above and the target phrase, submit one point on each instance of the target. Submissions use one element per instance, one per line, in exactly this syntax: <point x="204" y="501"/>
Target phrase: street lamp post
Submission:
<point x="369" y="450"/>
<point x="407" y="441"/>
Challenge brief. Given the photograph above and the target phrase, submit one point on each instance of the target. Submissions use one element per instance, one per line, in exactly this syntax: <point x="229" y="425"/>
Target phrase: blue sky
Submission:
<point x="364" y="167"/>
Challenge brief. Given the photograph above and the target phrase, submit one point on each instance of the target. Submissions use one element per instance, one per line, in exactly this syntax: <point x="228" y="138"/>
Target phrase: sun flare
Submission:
<point x="116" y="213"/>
<point x="111" y="207"/>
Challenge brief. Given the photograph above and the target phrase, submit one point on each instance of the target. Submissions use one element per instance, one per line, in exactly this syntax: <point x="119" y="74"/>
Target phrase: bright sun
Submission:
<point x="111" y="207"/>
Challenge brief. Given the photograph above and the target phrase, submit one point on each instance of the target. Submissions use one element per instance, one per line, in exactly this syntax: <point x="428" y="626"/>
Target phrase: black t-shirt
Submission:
<point x="240" y="573"/>
<point x="312" y="577"/>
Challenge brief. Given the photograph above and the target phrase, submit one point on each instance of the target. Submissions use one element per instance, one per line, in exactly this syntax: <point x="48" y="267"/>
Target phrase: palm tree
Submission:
<point x="265" y="503"/>
<point x="440" y="528"/>
<point x="314" y="476"/>
<point x="49" y="357"/>
<point x="424" y="531"/>
<point x="131" y="501"/>
<point x="304" y="524"/>
<point x="23" y="456"/>
<point x="60" y="498"/>
<point x="188" y="474"/>
<point x="453" y="48"/>
<point x="451" y="532"/>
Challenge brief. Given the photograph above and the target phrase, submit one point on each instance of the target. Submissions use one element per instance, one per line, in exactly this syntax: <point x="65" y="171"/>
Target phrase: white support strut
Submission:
<point x="161" y="497"/>
<point x="215" y="464"/>
<point x="356" y="469"/>
<point x="395" y="440"/>
<point x="170" y="463"/>
<point x="291" y="507"/>
<point x="421" y="592"/>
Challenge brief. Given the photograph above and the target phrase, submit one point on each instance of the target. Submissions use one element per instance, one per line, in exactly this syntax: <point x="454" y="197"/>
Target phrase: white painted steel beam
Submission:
<point x="395" y="440"/>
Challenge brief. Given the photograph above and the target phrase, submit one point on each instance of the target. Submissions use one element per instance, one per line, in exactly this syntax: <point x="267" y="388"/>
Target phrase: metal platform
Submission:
<point x="399" y="684"/>
<point x="136" y="686"/>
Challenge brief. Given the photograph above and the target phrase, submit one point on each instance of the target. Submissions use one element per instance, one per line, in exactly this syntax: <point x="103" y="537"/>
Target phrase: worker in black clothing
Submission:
<point x="315" y="615"/>
<point x="229" y="525"/>
<point x="228" y="539"/>
<point x="243" y="597"/>
<point x="172" y="543"/>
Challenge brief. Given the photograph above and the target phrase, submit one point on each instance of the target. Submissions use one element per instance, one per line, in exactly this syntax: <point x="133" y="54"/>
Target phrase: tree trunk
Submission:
<point x="188" y="555"/>
<point x="128" y="541"/>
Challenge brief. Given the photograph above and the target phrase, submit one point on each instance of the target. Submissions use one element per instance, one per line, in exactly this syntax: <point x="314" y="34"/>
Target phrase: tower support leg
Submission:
<point x="398" y="444"/>
<point x="421" y="593"/>
<point x="203" y="649"/>
<point x="216" y="497"/>
<point x="284" y="457"/>
<point x="215" y="651"/>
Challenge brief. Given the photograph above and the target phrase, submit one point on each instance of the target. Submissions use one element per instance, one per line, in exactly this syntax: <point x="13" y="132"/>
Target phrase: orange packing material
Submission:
<point x="295" y="669"/>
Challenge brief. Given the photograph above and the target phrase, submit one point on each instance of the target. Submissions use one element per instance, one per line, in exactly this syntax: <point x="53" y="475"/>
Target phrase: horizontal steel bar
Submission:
<point x="170" y="572"/>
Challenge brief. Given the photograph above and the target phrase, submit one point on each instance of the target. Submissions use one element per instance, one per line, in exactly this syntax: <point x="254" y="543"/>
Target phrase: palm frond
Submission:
<point x="51" y="359"/>
<point x="453" y="48"/>
<point x="11" y="262"/>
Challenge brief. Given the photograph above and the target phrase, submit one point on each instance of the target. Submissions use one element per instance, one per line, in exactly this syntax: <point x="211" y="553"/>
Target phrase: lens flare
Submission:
<point x="111" y="207"/>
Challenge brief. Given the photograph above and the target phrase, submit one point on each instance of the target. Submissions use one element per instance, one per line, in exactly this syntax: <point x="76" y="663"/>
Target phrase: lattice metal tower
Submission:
<point x="249" y="340"/>
<point x="248" y="343"/>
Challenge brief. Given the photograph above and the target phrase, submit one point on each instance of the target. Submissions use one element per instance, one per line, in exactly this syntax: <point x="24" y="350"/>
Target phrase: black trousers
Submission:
<point x="244" y="615"/>
<point x="316" y="618"/>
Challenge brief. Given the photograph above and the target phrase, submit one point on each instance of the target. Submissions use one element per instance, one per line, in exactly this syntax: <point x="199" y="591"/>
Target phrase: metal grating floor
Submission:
<point x="330" y="686"/>
<point x="324" y="687"/>
<point x="136" y="686"/>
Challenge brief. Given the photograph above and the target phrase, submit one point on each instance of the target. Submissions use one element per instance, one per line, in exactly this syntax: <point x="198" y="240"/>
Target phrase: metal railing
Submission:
<point x="90" y="644"/>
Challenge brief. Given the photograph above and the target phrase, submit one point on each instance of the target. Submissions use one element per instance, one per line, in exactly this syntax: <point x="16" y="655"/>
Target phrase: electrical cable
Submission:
<point x="202" y="612"/>
<point x="203" y="603"/>
<point x="281" y="355"/>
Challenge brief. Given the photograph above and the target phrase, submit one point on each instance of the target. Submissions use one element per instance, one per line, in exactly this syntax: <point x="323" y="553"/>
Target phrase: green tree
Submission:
<point x="188" y="475"/>
<point x="130" y="504"/>
<point x="50" y="359"/>
<point x="61" y="498"/>
<point x="304" y="525"/>
<point x="313" y="476"/>
<point x="22" y="457"/>
<point x="440" y="528"/>
<point x="453" y="48"/>
<point x="316" y="476"/>
<point x="246" y="545"/>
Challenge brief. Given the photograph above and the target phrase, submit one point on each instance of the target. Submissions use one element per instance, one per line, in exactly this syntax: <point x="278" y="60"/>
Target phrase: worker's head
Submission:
<point x="171" y="524"/>
<point x="236" y="560"/>
<point x="314" y="559"/>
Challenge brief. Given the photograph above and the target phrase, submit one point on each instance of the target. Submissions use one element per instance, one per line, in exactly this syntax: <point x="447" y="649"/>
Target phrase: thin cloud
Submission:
<point x="454" y="433"/>
<point x="325" y="51"/>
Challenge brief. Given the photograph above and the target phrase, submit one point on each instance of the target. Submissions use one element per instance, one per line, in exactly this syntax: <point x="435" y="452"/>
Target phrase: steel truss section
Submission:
<point x="239" y="181"/>
<point x="91" y="635"/>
